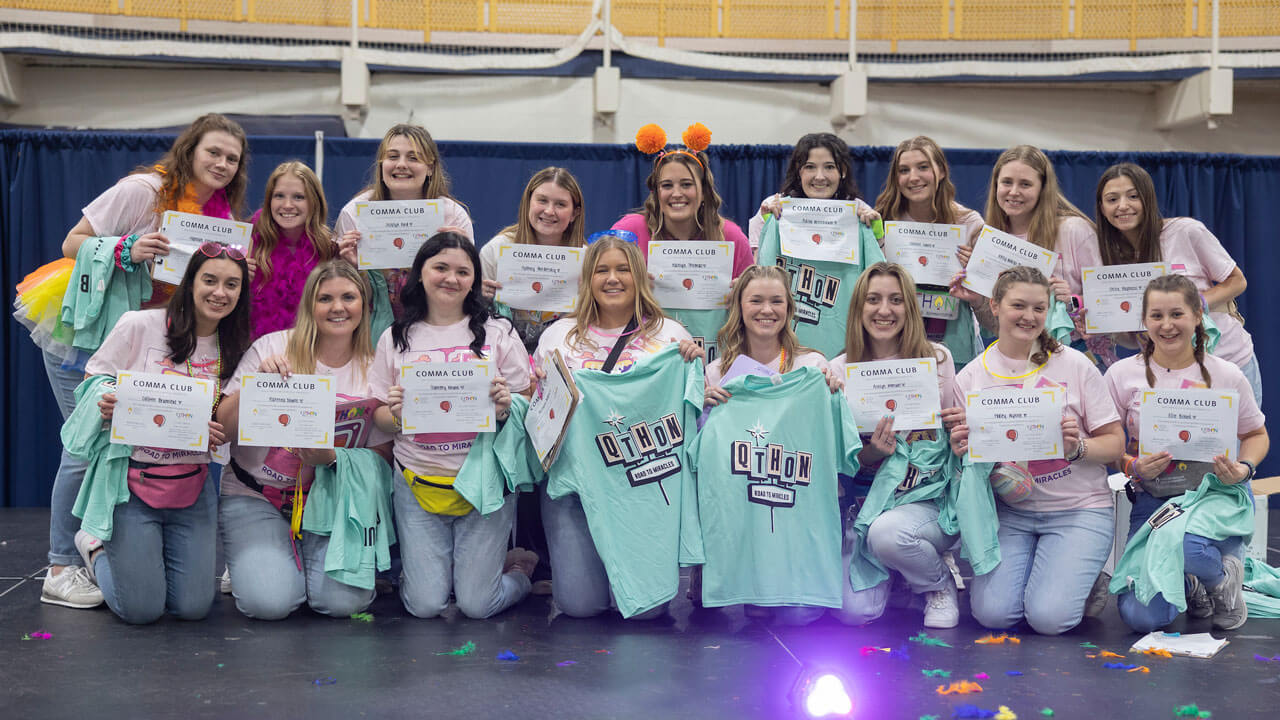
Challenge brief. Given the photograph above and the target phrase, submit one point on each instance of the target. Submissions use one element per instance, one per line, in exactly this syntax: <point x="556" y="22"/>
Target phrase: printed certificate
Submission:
<point x="539" y="277"/>
<point x="447" y="397"/>
<point x="1191" y="424"/>
<point x="1012" y="424"/>
<point x="926" y="250"/>
<point x="995" y="251"/>
<point x="1113" y="295"/>
<point x="820" y="230"/>
<point x="691" y="274"/>
<point x="186" y="233"/>
<point x="392" y="230"/>
<point x="550" y="410"/>
<point x="906" y="389"/>
<point x="162" y="411"/>
<point x="293" y="413"/>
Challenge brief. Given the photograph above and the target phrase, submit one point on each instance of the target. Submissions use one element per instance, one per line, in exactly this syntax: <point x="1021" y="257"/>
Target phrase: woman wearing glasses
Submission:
<point x="161" y="552"/>
<point x="202" y="173"/>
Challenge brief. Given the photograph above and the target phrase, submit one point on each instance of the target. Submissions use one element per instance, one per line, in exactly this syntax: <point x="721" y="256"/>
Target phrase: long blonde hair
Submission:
<point x="912" y="342"/>
<point x="436" y="184"/>
<point x="708" y="219"/>
<point x="267" y="234"/>
<point x="521" y="233"/>
<point x="301" y="347"/>
<point x="892" y="205"/>
<point x="732" y="337"/>
<point x="647" y="312"/>
<point x="1051" y="207"/>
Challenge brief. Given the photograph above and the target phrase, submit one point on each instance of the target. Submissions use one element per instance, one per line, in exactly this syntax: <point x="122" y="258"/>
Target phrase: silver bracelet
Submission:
<point x="1079" y="454"/>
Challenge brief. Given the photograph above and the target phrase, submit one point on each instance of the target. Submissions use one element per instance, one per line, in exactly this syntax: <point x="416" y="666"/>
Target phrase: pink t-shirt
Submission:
<point x="1075" y="236"/>
<point x="948" y="395"/>
<point x="138" y="344"/>
<point x="811" y="359"/>
<point x="755" y="225"/>
<point x="591" y="353"/>
<point x="278" y="467"/>
<point x="742" y="255"/>
<point x="444" y="453"/>
<point x="1059" y="485"/>
<point x="1127" y="379"/>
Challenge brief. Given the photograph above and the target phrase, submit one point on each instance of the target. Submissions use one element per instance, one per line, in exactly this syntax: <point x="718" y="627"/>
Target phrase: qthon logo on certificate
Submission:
<point x="995" y="251"/>
<point x="294" y="413"/>
<point x="186" y="233"/>
<point x="820" y="230"/>
<point x="691" y="274"/>
<point x="1113" y="295"/>
<point x="391" y="231"/>
<point x="1012" y="424"/>
<point x="1191" y="424"/>
<point x="162" y="411"/>
<point x="926" y="250"/>
<point x="447" y="397"/>
<point x="905" y="389"/>
<point x="539" y="277"/>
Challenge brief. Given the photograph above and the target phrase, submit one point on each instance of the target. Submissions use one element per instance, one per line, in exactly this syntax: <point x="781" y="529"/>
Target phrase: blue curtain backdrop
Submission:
<point x="47" y="177"/>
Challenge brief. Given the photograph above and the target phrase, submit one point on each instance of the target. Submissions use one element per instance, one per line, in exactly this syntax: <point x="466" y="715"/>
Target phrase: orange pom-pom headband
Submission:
<point x="652" y="139"/>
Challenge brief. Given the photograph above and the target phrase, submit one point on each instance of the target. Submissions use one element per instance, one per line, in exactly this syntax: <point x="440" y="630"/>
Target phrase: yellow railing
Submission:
<point x="892" y="20"/>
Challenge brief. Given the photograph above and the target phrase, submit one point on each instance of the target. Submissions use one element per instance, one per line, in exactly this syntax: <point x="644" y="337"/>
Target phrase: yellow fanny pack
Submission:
<point x="435" y="493"/>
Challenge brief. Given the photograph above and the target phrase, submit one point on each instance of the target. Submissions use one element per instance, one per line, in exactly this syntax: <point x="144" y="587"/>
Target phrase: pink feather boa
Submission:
<point x="275" y="301"/>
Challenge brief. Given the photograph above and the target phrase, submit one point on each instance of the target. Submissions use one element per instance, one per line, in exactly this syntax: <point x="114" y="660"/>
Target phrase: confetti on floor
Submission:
<point x="1047" y="712"/>
<point x="508" y="656"/>
<point x="1264" y="658"/>
<point x="1000" y="639"/>
<point x="1105" y="654"/>
<point x="37" y="635"/>
<point x="609" y="652"/>
<point x="981" y="676"/>
<point x="929" y="717"/>
<point x="871" y="649"/>
<point x="972" y="711"/>
<point x="1013" y="673"/>
<point x="1088" y="646"/>
<point x="1191" y="711"/>
<point x="964" y="687"/>
<point x="1139" y="669"/>
<point x="1006" y="714"/>
<point x="566" y="663"/>
<point x="362" y="617"/>
<point x="936" y="673"/>
<point x="466" y="649"/>
<point x="1158" y="652"/>
<point x="924" y="639"/>
<point x="325" y="681"/>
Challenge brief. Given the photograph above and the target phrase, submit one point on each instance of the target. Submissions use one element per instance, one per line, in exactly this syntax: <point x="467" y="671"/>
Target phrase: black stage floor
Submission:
<point x="694" y="664"/>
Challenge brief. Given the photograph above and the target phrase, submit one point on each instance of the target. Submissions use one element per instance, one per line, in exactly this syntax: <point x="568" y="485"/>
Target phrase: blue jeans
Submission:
<point x="909" y="540"/>
<point x="1201" y="557"/>
<point x="158" y="560"/>
<point x="265" y="578"/>
<point x="1048" y="564"/>
<point x="66" y="484"/>
<point x="1253" y="374"/>
<point x="462" y="553"/>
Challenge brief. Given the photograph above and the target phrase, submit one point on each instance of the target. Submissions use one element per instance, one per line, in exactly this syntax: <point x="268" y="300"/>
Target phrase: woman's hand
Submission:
<point x="501" y="396"/>
<point x="1070" y="434"/>
<point x="1229" y="471"/>
<point x="1061" y="290"/>
<point x="489" y="288"/>
<point x="1149" y="467"/>
<point x="217" y="435"/>
<point x="952" y="417"/>
<point x="276" y="364"/>
<point x="958" y="290"/>
<point x="690" y="351"/>
<point x="395" y="402"/>
<point x="771" y="205"/>
<point x="715" y="395"/>
<point x="349" y="247"/>
<point x="317" y="457"/>
<point x="867" y="214"/>
<point x="960" y="439"/>
<point x="107" y="405"/>
<point x="963" y="253"/>
<point x="881" y="443"/>
<point x="835" y="383"/>
<point x="148" y="247"/>
<point x="253" y="266"/>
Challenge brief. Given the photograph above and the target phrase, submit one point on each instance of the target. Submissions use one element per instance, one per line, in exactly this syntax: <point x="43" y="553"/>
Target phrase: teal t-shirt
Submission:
<point x="703" y="325"/>
<point x="351" y="505"/>
<point x="822" y="289"/>
<point x="766" y="467"/>
<point x="99" y="293"/>
<point x="106" y="481"/>
<point x="625" y="454"/>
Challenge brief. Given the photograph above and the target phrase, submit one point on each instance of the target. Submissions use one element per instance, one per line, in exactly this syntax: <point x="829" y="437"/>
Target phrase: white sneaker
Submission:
<point x="224" y="581"/>
<point x="70" y="588"/>
<point x="942" y="607"/>
<point x="87" y="545"/>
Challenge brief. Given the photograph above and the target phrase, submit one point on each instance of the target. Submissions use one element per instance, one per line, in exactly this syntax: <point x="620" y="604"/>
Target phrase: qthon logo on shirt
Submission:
<point x="709" y="346"/>
<point x="813" y="291"/>
<point x="772" y="472"/>
<point x="646" y="449"/>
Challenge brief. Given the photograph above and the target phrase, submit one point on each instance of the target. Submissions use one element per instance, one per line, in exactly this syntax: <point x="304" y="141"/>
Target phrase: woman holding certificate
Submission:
<point x="918" y="189"/>
<point x="1055" y="514"/>
<point x="446" y="545"/>
<point x="161" y="553"/>
<point x="885" y="324"/>
<point x="408" y="167"/>
<point x="1131" y="230"/>
<point x="618" y="323"/>
<point x="271" y="575"/>
<point x="202" y="173"/>
<point x="1173" y="358"/>
<point x="551" y="215"/>
<point x="290" y="237"/>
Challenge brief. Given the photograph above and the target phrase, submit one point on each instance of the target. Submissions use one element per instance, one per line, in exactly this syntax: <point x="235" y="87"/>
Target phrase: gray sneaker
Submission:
<point x="70" y="588"/>
<point x="1198" y="603"/>
<point x="1229" y="611"/>
<point x="1099" y="594"/>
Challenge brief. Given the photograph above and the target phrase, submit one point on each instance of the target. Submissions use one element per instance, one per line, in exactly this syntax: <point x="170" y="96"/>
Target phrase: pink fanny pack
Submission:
<point x="167" y="487"/>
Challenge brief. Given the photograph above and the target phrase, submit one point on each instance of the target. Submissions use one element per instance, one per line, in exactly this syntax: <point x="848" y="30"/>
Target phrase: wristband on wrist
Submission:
<point x="1130" y="467"/>
<point x="1252" y="470"/>
<point x="124" y="260"/>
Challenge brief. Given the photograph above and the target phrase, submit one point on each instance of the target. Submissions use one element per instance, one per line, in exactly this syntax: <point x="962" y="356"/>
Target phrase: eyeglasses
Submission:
<point x="623" y="235"/>
<point x="213" y="249"/>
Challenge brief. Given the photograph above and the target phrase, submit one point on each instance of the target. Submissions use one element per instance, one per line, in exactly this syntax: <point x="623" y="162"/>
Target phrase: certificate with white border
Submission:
<point x="926" y="250"/>
<point x="905" y="389"/>
<point x="1011" y="424"/>
<point x="995" y="251"/>
<point x="447" y="397"/>
<point x="539" y="277"/>
<point x="1113" y="295"/>
<point x="186" y="233"/>
<point x="391" y="231"/>
<point x="293" y="413"/>
<point x="162" y="411"/>
<point x="691" y="274"/>
<point x="1191" y="424"/>
<point x="820" y="230"/>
